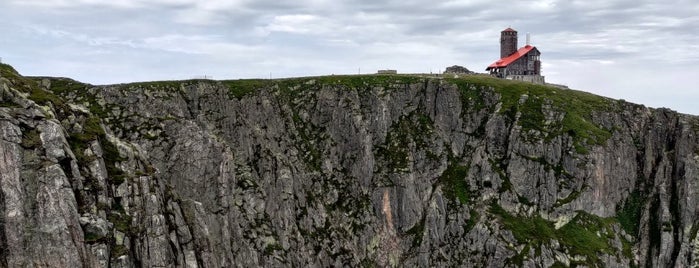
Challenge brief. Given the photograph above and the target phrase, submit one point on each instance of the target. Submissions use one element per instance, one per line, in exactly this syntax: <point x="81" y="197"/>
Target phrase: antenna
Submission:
<point x="528" y="39"/>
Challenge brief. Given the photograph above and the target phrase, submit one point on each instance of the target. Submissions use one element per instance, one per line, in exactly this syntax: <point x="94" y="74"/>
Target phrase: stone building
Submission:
<point x="388" y="71"/>
<point x="517" y="64"/>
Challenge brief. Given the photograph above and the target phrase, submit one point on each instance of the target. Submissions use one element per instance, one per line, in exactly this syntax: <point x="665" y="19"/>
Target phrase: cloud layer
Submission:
<point x="642" y="51"/>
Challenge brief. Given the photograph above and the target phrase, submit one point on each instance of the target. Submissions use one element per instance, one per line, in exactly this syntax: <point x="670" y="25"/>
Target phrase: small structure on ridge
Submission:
<point x="456" y="69"/>
<point x="522" y="64"/>
<point x="387" y="71"/>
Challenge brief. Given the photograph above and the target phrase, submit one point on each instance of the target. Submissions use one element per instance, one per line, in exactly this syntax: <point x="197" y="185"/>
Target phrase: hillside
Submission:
<point x="360" y="170"/>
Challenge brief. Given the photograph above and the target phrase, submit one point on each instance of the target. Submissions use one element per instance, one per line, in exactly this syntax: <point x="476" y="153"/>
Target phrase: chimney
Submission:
<point x="528" y="39"/>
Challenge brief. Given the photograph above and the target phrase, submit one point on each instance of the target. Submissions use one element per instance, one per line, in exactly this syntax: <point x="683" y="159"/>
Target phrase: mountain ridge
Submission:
<point x="368" y="170"/>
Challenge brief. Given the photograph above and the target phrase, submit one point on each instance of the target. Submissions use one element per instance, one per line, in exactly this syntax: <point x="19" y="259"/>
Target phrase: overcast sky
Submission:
<point x="641" y="51"/>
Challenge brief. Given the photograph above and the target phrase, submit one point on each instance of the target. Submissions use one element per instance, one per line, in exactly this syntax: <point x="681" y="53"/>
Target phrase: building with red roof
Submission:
<point x="517" y="64"/>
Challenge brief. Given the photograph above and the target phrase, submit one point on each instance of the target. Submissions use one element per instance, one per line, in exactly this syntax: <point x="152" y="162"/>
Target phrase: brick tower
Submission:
<point x="508" y="42"/>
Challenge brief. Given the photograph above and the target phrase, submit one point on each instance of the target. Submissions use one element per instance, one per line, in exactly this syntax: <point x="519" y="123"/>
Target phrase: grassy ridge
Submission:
<point x="577" y="107"/>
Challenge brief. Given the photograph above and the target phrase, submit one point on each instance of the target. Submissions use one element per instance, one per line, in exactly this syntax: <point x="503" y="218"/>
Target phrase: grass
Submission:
<point x="473" y="218"/>
<point x="629" y="213"/>
<point x="310" y="139"/>
<point x="9" y="73"/>
<point x="118" y="251"/>
<point x="43" y="97"/>
<point x="414" y="129"/>
<point x="577" y="107"/>
<point x="8" y="104"/>
<point x="528" y="230"/>
<point x="174" y="84"/>
<point x="111" y="157"/>
<point x="581" y="236"/>
<point x="64" y="86"/>
<point x="79" y="141"/>
<point x="6" y="70"/>
<point x="92" y="238"/>
<point x="121" y="221"/>
<point x="471" y="94"/>
<point x="586" y="235"/>
<point x="92" y="130"/>
<point x="572" y="196"/>
<point x="30" y="139"/>
<point x="292" y="87"/>
<point x="354" y="81"/>
<point x="243" y="87"/>
<point x="27" y="85"/>
<point x="454" y="183"/>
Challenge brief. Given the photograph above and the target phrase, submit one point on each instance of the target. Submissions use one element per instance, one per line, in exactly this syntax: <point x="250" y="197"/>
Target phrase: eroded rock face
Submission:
<point x="341" y="171"/>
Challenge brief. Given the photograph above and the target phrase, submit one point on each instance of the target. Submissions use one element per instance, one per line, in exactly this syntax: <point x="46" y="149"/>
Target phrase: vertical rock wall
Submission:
<point x="356" y="171"/>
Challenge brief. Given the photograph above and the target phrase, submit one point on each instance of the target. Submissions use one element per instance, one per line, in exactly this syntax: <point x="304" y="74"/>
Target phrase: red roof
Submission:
<point x="510" y="59"/>
<point x="509" y="30"/>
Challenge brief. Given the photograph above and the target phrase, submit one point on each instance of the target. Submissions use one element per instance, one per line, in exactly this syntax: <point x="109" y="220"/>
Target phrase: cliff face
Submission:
<point x="341" y="170"/>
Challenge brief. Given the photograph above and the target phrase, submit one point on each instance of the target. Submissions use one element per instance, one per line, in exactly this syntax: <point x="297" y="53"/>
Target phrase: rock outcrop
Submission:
<point x="456" y="69"/>
<point x="341" y="171"/>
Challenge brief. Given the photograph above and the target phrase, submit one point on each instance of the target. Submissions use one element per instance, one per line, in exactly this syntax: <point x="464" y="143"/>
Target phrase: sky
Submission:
<point x="641" y="51"/>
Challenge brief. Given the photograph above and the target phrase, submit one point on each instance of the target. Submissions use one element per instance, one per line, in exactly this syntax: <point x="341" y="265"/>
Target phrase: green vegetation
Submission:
<point x="454" y="183"/>
<point x="293" y="86"/>
<point x="417" y="231"/>
<point x="310" y="139"/>
<point x="21" y="83"/>
<point x="572" y="196"/>
<point x="414" y="129"/>
<point x="7" y="71"/>
<point x="27" y="85"/>
<point x="173" y="84"/>
<point x="577" y="107"/>
<point x="64" y="86"/>
<point x="558" y="264"/>
<point x="693" y="232"/>
<point x="121" y="221"/>
<point x="629" y="213"/>
<point x="30" y="139"/>
<point x="79" y="141"/>
<point x="272" y="247"/>
<point x="534" y="230"/>
<point x="354" y="81"/>
<point x="473" y="218"/>
<point x="43" y="97"/>
<point x="470" y="94"/>
<point x="240" y="88"/>
<point x="8" y="103"/>
<point x="67" y="87"/>
<point x="118" y="251"/>
<point x="92" y="130"/>
<point x="586" y="235"/>
<point x="92" y="238"/>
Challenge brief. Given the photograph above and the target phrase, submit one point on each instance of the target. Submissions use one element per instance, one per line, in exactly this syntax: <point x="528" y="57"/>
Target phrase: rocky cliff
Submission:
<point x="371" y="171"/>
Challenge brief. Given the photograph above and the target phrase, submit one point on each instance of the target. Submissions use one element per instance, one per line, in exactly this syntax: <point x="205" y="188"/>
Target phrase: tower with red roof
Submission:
<point x="508" y="42"/>
<point x="517" y="64"/>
